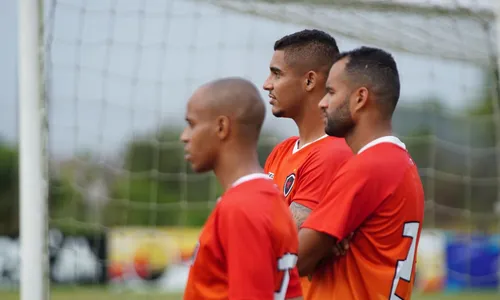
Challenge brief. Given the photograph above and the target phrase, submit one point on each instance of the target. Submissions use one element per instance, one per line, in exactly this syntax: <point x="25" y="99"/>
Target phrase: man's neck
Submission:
<point x="363" y="135"/>
<point x="233" y="165"/>
<point x="310" y="125"/>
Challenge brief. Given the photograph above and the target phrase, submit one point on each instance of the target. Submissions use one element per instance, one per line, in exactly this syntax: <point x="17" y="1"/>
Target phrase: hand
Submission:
<point x="342" y="247"/>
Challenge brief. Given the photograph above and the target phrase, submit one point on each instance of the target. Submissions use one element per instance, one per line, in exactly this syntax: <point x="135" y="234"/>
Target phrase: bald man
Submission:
<point x="248" y="246"/>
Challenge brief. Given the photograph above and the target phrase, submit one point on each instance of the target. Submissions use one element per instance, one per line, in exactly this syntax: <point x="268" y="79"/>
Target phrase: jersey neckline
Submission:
<point x="246" y="178"/>
<point x="249" y="177"/>
<point x="384" y="139"/>
<point x="296" y="145"/>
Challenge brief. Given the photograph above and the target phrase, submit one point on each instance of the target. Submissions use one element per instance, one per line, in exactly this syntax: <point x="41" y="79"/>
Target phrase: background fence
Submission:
<point x="124" y="206"/>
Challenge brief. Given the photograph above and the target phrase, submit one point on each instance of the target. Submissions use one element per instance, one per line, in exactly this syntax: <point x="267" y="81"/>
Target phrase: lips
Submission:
<point x="187" y="155"/>
<point x="272" y="99"/>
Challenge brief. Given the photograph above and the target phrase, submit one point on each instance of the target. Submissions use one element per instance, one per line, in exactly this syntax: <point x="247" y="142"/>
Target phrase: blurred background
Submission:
<point x="125" y="210"/>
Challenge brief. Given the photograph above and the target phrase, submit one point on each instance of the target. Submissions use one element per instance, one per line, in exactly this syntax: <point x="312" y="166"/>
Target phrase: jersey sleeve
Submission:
<point x="315" y="176"/>
<point x="294" y="287"/>
<point x="248" y="248"/>
<point x="349" y="200"/>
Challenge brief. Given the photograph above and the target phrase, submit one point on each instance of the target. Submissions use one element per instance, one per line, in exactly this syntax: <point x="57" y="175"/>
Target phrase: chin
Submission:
<point x="335" y="132"/>
<point x="200" y="168"/>
<point x="278" y="113"/>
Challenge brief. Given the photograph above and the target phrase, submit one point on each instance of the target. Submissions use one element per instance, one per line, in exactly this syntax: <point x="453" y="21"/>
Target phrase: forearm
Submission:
<point x="314" y="247"/>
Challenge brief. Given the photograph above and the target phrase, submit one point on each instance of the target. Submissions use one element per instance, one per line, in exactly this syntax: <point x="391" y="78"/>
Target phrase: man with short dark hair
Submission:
<point x="303" y="166"/>
<point x="377" y="194"/>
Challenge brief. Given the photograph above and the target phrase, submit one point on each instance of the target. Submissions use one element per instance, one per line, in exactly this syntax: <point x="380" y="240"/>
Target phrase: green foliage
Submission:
<point x="457" y="159"/>
<point x="9" y="205"/>
<point x="160" y="188"/>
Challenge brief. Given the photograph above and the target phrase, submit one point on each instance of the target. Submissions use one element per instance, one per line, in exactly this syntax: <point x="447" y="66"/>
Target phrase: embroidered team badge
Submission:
<point x="289" y="181"/>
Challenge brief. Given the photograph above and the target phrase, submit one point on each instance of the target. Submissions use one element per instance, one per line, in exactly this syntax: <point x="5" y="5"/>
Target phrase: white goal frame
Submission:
<point x="33" y="158"/>
<point x="33" y="204"/>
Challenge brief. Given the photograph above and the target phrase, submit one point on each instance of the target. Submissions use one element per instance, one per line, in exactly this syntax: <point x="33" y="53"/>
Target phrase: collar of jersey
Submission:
<point x="385" y="139"/>
<point x="250" y="177"/>
<point x="247" y="178"/>
<point x="296" y="146"/>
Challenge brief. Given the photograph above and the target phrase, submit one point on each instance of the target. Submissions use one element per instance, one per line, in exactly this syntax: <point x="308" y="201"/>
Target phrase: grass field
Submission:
<point x="101" y="294"/>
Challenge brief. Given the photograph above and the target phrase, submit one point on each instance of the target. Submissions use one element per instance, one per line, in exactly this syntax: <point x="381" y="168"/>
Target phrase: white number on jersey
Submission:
<point x="286" y="263"/>
<point x="405" y="267"/>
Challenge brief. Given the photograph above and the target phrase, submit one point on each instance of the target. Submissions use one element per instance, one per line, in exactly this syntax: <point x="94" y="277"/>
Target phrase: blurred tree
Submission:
<point x="159" y="188"/>
<point x="457" y="158"/>
<point x="9" y="205"/>
<point x="60" y="192"/>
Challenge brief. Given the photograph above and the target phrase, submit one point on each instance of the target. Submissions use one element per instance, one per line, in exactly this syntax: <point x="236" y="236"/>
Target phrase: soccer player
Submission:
<point x="248" y="246"/>
<point x="377" y="194"/>
<point x="303" y="166"/>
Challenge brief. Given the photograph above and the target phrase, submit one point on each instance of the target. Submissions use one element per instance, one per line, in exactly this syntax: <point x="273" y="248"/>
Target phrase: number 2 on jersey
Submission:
<point x="285" y="264"/>
<point x="404" y="268"/>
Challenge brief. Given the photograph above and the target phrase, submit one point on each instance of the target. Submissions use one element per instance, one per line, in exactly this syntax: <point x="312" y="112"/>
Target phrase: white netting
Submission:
<point x="120" y="71"/>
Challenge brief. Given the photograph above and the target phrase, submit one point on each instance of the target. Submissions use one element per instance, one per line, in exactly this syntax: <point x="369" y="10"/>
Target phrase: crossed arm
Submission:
<point x="314" y="246"/>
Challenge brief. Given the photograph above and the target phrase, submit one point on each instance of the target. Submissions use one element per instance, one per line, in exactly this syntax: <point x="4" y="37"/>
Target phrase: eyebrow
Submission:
<point x="275" y="70"/>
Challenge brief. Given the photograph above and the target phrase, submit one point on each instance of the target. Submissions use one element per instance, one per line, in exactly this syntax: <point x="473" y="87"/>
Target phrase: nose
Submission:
<point x="184" y="136"/>
<point x="323" y="104"/>
<point x="268" y="86"/>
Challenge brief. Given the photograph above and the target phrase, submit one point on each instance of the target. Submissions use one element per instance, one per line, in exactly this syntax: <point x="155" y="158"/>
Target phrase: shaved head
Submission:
<point x="237" y="99"/>
<point x="223" y="116"/>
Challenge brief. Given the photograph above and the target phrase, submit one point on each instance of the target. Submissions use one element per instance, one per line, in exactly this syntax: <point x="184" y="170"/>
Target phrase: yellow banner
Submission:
<point x="147" y="253"/>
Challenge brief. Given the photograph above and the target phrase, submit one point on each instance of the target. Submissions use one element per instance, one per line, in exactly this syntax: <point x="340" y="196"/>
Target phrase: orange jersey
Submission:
<point x="248" y="246"/>
<point x="303" y="174"/>
<point x="378" y="195"/>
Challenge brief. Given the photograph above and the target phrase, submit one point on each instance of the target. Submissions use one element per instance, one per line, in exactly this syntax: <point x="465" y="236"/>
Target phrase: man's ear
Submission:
<point x="222" y="127"/>
<point x="361" y="99"/>
<point x="311" y="80"/>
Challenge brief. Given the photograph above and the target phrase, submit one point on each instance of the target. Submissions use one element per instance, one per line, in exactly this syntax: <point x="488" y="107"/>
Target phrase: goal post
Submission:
<point x="32" y="160"/>
<point x="117" y="75"/>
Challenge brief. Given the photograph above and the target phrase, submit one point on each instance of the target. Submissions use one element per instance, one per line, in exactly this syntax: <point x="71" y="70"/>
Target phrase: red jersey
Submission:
<point x="378" y="195"/>
<point x="248" y="246"/>
<point x="303" y="174"/>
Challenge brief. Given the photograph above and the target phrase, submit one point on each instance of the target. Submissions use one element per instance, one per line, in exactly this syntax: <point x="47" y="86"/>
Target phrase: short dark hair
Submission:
<point x="310" y="48"/>
<point x="376" y="69"/>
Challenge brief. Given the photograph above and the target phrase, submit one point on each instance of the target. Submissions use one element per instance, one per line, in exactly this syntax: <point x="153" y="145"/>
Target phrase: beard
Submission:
<point x="339" y="123"/>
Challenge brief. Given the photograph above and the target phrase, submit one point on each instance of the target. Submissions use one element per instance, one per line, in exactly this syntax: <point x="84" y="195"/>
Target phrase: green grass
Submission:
<point x="103" y="294"/>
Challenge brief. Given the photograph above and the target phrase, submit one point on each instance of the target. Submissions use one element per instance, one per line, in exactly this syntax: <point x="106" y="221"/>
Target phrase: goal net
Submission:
<point x="125" y="210"/>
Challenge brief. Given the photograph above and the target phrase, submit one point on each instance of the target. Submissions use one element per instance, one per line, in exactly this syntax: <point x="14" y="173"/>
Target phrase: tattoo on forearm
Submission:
<point x="299" y="213"/>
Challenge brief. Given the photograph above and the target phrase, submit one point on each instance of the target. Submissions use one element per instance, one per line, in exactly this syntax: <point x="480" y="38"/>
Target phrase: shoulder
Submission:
<point x="330" y="153"/>
<point x="333" y="148"/>
<point x="286" y="144"/>
<point x="280" y="151"/>
<point x="385" y="161"/>
<point x="250" y="198"/>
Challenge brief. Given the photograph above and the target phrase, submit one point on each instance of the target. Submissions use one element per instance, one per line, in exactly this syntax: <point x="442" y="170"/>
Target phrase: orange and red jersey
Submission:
<point x="303" y="174"/>
<point x="248" y="246"/>
<point x="378" y="195"/>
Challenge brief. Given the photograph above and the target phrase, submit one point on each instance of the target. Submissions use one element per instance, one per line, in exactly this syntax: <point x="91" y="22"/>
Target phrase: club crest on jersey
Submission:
<point x="289" y="181"/>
